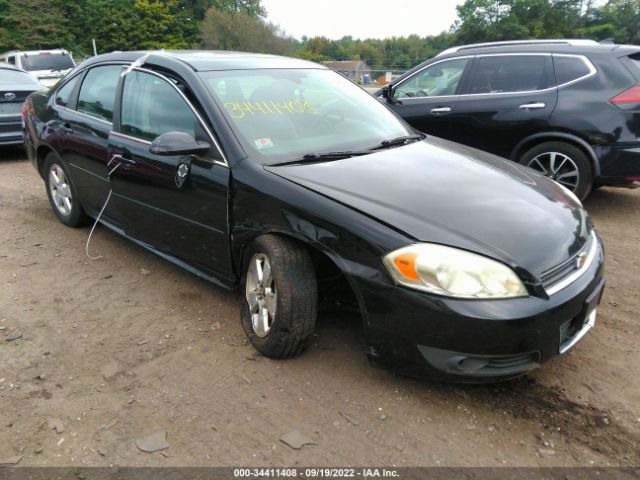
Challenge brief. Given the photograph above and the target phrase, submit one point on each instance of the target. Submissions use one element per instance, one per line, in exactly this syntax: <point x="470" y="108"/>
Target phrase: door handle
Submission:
<point x="125" y="161"/>
<point x="441" y="110"/>
<point x="532" y="106"/>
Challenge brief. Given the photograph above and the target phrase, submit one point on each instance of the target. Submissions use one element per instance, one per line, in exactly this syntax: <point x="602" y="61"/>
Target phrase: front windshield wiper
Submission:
<point x="398" y="142"/>
<point x="321" y="157"/>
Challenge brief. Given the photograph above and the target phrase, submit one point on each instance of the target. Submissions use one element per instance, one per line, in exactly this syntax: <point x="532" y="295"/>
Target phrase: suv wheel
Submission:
<point x="564" y="163"/>
<point x="62" y="195"/>
<point x="281" y="296"/>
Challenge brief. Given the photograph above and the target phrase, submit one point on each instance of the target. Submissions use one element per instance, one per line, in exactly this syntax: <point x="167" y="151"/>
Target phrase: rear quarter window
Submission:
<point x="634" y="65"/>
<point x="63" y="95"/>
<point x="569" y="68"/>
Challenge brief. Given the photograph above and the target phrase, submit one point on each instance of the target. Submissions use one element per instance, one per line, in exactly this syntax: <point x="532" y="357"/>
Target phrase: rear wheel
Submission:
<point x="564" y="163"/>
<point x="62" y="195"/>
<point x="281" y="296"/>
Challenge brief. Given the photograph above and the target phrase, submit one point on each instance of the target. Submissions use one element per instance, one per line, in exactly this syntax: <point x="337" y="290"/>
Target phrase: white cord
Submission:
<point x="86" y="248"/>
<point x="141" y="61"/>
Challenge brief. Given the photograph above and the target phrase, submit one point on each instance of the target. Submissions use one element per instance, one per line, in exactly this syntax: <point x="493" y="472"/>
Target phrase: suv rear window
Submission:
<point x="569" y="68"/>
<point x="47" y="61"/>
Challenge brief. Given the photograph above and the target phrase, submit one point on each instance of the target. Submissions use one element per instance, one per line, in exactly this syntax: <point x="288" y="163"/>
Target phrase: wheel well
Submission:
<point x="41" y="154"/>
<point x="526" y="145"/>
<point x="334" y="289"/>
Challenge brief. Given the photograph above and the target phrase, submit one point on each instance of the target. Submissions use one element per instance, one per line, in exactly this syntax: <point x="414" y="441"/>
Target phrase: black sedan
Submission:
<point x="280" y="177"/>
<point x="15" y="87"/>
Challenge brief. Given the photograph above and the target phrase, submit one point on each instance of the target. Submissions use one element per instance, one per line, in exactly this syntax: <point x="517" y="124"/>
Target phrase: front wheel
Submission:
<point x="280" y="296"/>
<point x="564" y="163"/>
<point x="62" y="194"/>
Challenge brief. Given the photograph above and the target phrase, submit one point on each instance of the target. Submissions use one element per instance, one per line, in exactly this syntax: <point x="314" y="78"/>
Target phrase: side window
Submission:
<point x="151" y="107"/>
<point x="434" y="81"/>
<point x="12" y="60"/>
<point x="510" y="73"/>
<point x="63" y="95"/>
<point x="98" y="92"/>
<point x="569" y="68"/>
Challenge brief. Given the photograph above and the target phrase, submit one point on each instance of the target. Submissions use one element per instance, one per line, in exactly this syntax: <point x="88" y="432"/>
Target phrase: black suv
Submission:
<point x="568" y="108"/>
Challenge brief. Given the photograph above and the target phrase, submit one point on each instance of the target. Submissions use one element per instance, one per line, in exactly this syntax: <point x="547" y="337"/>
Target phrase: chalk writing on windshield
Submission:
<point x="240" y="110"/>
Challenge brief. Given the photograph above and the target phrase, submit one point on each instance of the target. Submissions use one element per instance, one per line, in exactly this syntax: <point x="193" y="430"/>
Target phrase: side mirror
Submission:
<point x="387" y="92"/>
<point x="177" y="143"/>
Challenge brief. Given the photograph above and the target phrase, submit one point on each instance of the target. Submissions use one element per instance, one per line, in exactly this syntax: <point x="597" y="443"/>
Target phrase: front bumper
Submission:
<point x="475" y="340"/>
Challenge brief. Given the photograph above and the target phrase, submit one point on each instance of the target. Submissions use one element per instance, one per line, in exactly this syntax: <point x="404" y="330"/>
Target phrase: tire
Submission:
<point x="62" y="194"/>
<point x="291" y="314"/>
<point x="539" y="158"/>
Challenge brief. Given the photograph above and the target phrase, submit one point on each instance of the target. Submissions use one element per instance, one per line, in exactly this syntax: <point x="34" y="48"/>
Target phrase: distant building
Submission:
<point x="352" y="69"/>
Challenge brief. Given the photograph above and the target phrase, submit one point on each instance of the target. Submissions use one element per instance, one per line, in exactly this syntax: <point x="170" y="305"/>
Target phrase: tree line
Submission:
<point x="242" y="25"/>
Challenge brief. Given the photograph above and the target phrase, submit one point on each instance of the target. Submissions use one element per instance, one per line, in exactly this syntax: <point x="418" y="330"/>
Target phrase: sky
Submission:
<point x="361" y="19"/>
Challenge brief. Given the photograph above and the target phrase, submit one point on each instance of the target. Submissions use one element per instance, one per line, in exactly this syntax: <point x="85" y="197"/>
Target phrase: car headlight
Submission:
<point x="452" y="272"/>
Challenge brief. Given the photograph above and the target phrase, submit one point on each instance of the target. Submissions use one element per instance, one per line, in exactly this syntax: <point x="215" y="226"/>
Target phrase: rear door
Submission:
<point x="427" y="98"/>
<point x="83" y="127"/>
<point x="181" y="216"/>
<point x="509" y="97"/>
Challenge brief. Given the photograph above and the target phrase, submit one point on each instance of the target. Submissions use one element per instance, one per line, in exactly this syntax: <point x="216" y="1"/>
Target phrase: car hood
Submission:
<point x="439" y="191"/>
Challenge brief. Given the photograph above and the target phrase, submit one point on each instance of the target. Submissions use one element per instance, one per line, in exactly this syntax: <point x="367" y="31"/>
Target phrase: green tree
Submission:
<point x="32" y="24"/>
<point x="222" y="30"/>
<point x="253" y="8"/>
<point x="620" y="20"/>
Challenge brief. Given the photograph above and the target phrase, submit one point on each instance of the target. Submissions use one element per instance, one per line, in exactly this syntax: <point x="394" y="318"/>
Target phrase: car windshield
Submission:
<point x="15" y="77"/>
<point x="47" y="61"/>
<point x="285" y="114"/>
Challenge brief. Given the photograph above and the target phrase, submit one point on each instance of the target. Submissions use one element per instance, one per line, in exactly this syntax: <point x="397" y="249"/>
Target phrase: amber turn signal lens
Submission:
<point x="405" y="263"/>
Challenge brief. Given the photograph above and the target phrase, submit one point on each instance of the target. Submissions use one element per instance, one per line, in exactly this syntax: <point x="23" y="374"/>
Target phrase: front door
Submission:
<point x="177" y="205"/>
<point x="509" y="98"/>
<point x="427" y="98"/>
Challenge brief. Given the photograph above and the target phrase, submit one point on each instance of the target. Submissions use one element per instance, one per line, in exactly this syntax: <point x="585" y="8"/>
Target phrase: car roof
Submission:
<point x="530" y="48"/>
<point x="7" y="66"/>
<point x="208" y="60"/>
<point x="35" y="52"/>
<point x="565" y="46"/>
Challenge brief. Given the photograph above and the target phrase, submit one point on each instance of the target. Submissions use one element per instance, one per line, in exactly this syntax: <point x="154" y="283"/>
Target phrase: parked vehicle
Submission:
<point x="45" y="66"/>
<point x="15" y="86"/>
<point x="567" y="108"/>
<point x="280" y="177"/>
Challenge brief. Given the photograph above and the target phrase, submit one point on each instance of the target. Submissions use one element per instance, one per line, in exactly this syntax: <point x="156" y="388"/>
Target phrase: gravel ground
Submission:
<point x="96" y="355"/>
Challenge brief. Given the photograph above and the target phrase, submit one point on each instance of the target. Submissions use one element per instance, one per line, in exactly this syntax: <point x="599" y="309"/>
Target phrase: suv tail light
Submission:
<point x="631" y="95"/>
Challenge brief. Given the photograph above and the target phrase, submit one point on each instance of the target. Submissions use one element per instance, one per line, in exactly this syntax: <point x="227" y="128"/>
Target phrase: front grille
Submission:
<point x="498" y="365"/>
<point x="553" y="277"/>
<point x="569" y="329"/>
<point x="513" y="361"/>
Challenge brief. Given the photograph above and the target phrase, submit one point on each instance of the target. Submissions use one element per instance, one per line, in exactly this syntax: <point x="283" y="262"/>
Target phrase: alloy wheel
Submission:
<point x="558" y="167"/>
<point x="261" y="295"/>
<point x="60" y="190"/>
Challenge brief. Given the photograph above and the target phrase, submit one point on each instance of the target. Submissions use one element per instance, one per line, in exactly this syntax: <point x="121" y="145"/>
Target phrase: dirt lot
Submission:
<point x="116" y="349"/>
